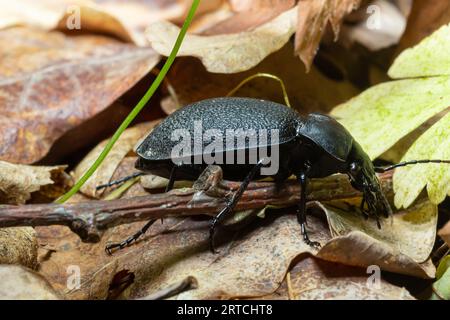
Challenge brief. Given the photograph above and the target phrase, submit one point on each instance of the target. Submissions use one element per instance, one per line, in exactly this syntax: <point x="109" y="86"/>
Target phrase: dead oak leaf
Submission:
<point x="312" y="92"/>
<point x="313" y="17"/>
<point x="315" y="279"/>
<point x="227" y="53"/>
<point x="126" y="20"/>
<point x="244" y="16"/>
<point x="240" y="42"/>
<point x="252" y="261"/>
<point x="50" y="83"/>
<point x="18" y="182"/>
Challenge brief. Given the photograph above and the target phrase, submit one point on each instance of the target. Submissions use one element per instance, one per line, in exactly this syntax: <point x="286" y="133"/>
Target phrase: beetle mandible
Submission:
<point x="312" y="146"/>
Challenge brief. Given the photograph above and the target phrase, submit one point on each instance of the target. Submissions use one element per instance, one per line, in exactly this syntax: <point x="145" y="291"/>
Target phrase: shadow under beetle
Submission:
<point x="314" y="146"/>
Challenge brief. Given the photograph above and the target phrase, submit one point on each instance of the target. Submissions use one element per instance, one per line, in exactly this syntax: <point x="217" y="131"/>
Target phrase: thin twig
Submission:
<point x="208" y="196"/>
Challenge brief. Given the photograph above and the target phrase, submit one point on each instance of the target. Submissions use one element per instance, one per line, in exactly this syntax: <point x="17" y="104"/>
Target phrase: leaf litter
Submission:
<point x="257" y="256"/>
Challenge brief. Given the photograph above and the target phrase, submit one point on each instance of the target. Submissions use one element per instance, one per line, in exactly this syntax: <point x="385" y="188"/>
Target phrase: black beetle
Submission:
<point x="314" y="146"/>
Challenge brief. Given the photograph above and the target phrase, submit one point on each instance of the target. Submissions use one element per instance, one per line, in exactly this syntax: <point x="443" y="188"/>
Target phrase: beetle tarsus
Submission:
<point x="129" y="240"/>
<point x="301" y="211"/>
<point x="232" y="203"/>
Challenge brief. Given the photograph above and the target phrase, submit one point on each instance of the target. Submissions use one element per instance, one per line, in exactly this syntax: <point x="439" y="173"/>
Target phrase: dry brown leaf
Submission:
<point x="411" y="232"/>
<point x="18" y="182"/>
<point x="185" y="243"/>
<point x="19" y="283"/>
<point x="245" y="15"/>
<point x="425" y="18"/>
<point x="444" y="233"/>
<point x="103" y="174"/>
<point x="18" y="246"/>
<point x="126" y="20"/>
<point x="228" y="53"/>
<point x="252" y="261"/>
<point x="50" y="83"/>
<point x="242" y="40"/>
<point x="313" y="18"/>
<point x="403" y="245"/>
<point x="248" y="5"/>
<point x="307" y="92"/>
<point x="314" y="279"/>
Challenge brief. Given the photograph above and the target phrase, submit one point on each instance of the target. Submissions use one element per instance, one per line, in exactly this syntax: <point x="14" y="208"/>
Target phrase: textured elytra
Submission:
<point x="222" y="114"/>
<point x="225" y="114"/>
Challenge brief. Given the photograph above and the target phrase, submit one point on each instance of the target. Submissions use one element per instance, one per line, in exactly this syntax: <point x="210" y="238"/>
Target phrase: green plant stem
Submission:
<point x="141" y="104"/>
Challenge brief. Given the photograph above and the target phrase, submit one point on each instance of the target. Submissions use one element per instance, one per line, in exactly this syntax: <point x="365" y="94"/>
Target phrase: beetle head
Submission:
<point x="363" y="178"/>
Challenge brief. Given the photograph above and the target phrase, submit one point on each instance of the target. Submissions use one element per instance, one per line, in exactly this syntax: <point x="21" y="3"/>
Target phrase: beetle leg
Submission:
<point x="171" y="182"/>
<point x="171" y="178"/>
<point x="361" y="207"/>
<point x="232" y="203"/>
<point x="144" y="229"/>
<point x="130" y="239"/>
<point x="301" y="211"/>
<point x="119" y="181"/>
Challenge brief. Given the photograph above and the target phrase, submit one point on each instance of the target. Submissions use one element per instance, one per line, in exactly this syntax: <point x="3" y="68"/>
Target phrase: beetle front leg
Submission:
<point x="119" y="181"/>
<point x="301" y="211"/>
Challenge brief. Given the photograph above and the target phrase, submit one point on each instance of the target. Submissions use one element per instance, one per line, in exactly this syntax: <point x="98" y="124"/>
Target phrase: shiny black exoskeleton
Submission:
<point x="314" y="146"/>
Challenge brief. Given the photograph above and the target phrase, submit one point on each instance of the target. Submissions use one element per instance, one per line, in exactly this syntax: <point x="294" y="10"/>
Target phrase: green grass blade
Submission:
<point x="137" y="108"/>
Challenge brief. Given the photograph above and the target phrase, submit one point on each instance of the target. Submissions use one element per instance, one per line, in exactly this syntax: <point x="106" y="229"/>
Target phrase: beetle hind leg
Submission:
<point x="129" y="240"/>
<point x="137" y="235"/>
<point x="232" y="203"/>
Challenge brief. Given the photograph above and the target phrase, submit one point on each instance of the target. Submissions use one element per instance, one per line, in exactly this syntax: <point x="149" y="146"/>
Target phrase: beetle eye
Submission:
<point x="354" y="168"/>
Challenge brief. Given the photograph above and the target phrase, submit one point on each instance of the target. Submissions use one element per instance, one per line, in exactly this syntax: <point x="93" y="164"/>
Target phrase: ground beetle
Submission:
<point x="313" y="146"/>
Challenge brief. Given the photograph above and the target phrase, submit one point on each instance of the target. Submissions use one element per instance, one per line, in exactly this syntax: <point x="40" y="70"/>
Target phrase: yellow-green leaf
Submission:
<point x="385" y="113"/>
<point x="409" y="181"/>
<point x="429" y="58"/>
<point x="441" y="287"/>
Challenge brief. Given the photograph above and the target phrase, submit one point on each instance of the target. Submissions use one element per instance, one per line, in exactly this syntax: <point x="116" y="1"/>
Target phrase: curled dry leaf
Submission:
<point x="103" y="174"/>
<point x="228" y="53"/>
<point x="314" y="279"/>
<point x="310" y="92"/>
<point x="402" y="245"/>
<point x="313" y="17"/>
<point x="18" y="182"/>
<point x="50" y="83"/>
<point x="19" y="283"/>
<point x="18" y="246"/>
<point x="409" y="181"/>
<point x="241" y="41"/>
<point x="126" y="20"/>
<point x="242" y="16"/>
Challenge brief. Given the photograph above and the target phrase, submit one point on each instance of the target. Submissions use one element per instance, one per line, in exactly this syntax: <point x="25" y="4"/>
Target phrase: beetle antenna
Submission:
<point x="407" y="163"/>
